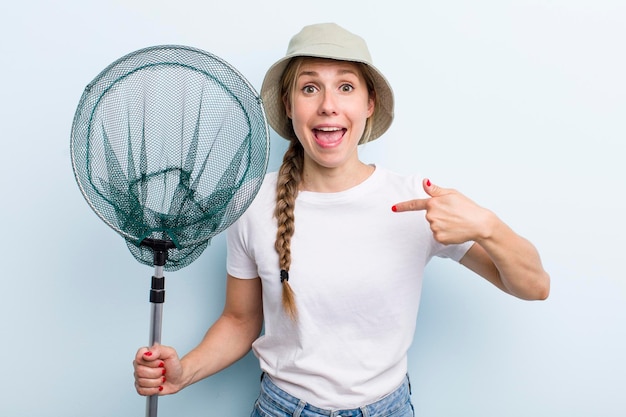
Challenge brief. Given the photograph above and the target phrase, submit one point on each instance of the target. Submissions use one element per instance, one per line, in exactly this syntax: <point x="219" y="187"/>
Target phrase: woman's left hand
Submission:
<point x="453" y="217"/>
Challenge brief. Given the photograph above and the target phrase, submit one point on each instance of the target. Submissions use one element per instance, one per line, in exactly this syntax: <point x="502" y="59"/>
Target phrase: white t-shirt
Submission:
<point x="357" y="276"/>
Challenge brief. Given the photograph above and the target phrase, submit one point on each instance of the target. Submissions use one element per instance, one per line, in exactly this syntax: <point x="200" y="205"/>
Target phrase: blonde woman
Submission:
<point x="330" y="255"/>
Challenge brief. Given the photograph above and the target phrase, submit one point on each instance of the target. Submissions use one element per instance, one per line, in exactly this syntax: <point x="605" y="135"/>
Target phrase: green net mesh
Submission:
<point x="169" y="143"/>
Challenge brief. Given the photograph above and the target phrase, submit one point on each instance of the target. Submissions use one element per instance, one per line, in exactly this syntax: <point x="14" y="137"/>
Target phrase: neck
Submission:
<point x="333" y="180"/>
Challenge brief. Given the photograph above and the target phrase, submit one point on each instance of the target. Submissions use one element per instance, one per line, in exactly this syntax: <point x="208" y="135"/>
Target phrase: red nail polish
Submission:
<point x="160" y="388"/>
<point x="394" y="208"/>
<point x="163" y="373"/>
<point x="163" y="380"/>
<point x="148" y="353"/>
<point x="428" y="183"/>
<point x="162" y="365"/>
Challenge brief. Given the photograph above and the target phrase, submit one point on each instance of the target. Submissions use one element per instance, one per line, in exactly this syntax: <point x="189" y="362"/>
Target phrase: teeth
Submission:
<point x="329" y="129"/>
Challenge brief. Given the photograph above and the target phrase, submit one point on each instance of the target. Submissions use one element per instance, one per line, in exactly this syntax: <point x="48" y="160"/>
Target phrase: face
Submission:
<point x="329" y="107"/>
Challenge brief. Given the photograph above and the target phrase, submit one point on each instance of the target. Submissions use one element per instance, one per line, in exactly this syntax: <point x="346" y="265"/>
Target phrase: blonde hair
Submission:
<point x="290" y="176"/>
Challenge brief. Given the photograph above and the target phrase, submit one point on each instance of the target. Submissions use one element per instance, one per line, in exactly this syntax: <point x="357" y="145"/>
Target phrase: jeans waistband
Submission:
<point x="275" y="398"/>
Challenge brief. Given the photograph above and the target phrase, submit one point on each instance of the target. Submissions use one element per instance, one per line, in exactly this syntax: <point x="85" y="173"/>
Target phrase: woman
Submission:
<point x="330" y="255"/>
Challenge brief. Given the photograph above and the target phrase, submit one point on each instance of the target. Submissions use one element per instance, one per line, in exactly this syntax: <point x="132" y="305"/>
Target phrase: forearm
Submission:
<point x="513" y="263"/>
<point x="227" y="341"/>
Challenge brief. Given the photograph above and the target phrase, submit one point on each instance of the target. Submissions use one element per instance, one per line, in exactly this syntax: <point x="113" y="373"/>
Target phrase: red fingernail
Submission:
<point x="428" y="183"/>
<point x="394" y="208"/>
<point x="163" y="373"/>
<point x="163" y="380"/>
<point x="162" y="364"/>
<point x="160" y="388"/>
<point x="148" y="353"/>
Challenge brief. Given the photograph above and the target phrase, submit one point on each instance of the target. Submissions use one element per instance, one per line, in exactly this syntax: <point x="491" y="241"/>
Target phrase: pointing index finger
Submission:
<point x="411" y="205"/>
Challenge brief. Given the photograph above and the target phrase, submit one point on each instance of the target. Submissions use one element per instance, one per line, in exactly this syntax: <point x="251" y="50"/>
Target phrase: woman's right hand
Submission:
<point x="157" y="371"/>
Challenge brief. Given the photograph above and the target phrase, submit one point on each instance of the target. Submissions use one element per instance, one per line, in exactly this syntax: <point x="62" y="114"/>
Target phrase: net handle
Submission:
<point x="157" y="298"/>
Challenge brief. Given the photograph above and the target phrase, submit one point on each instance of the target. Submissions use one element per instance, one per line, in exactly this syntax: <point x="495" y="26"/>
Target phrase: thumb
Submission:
<point x="432" y="189"/>
<point x="158" y="352"/>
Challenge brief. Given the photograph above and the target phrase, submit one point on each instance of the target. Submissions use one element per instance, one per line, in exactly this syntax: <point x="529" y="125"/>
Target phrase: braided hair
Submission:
<point x="289" y="180"/>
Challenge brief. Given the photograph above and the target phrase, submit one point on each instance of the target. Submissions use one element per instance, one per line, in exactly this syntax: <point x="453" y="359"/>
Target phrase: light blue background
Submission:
<point x="520" y="104"/>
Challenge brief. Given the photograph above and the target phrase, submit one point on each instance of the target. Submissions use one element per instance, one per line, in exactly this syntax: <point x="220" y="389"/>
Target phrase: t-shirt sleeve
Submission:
<point x="454" y="252"/>
<point x="239" y="262"/>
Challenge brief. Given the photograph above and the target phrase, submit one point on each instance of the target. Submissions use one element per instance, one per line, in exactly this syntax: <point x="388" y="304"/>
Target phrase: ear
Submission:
<point x="371" y="104"/>
<point x="287" y="105"/>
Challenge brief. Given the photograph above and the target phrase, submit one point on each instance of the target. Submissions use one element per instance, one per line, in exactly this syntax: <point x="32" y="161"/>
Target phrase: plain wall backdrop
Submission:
<point x="519" y="104"/>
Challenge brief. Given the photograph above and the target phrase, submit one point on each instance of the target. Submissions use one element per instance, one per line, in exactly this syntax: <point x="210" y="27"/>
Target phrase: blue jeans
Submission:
<point x="274" y="402"/>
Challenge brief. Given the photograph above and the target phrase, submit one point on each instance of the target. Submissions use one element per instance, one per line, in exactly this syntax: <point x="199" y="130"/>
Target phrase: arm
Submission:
<point x="510" y="262"/>
<point x="159" y="371"/>
<point x="231" y="337"/>
<point x="499" y="255"/>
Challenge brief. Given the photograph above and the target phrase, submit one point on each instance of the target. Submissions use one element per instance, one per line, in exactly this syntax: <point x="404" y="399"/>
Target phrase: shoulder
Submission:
<point x="267" y="190"/>
<point x="264" y="200"/>
<point x="395" y="182"/>
<point x="270" y="180"/>
<point x="259" y="214"/>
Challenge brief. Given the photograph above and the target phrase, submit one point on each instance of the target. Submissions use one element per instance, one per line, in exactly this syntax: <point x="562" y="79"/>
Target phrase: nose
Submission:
<point x="328" y="104"/>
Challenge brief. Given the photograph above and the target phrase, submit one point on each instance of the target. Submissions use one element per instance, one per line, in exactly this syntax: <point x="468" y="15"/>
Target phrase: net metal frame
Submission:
<point x="152" y="148"/>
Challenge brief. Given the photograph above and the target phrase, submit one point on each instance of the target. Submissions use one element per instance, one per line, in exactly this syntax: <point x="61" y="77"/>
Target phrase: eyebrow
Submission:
<point x="340" y="72"/>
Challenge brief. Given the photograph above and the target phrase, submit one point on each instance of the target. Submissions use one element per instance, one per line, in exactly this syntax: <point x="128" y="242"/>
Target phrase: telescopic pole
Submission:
<point x="157" y="298"/>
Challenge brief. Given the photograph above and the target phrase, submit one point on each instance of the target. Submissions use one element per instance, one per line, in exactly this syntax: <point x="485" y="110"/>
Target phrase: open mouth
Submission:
<point x="328" y="136"/>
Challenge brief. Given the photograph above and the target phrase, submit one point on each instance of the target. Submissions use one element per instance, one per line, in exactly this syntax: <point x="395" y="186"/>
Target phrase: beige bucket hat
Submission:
<point x="325" y="40"/>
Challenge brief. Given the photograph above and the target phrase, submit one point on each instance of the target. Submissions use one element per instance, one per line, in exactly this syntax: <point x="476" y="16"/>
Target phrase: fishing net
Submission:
<point x="169" y="144"/>
<point x="169" y="147"/>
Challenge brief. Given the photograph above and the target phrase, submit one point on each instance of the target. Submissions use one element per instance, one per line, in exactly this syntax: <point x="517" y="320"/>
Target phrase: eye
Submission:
<point x="346" y="88"/>
<point x="308" y="89"/>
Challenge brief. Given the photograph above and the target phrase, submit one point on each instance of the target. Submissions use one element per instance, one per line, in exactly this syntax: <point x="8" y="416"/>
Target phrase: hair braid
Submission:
<point x="288" y="183"/>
